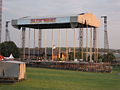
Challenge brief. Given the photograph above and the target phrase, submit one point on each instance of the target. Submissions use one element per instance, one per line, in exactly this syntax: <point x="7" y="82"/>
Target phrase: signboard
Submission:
<point x="44" y="20"/>
<point x="53" y="20"/>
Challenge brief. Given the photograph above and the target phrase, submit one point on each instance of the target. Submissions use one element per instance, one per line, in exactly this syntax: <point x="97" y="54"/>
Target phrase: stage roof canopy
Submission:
<point x="81" y="20"/>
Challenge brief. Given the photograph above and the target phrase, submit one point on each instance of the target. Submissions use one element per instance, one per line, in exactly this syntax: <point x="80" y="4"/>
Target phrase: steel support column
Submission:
<point x="95" y="44"/>
<point x="87" y="43"/>
<point x="29" y="45"/>
<point x="0" y="20"/>
<point x="45" y="44"/>
<point x="52" y="44"/>
<point x="39" y="41"/>
<point x="34" y="51"/>
<point x="91" y="44"/>
<point x="23" y="41"/>
<point x="106" y="43"/>
<point x="66" y="45"/>
<point x="74" y="44"/>
<point x="59" y="39"/>
<point x="73" y="25"/>
<point x="39" y="38"/>
<point x="7" y="35"/>
<point x="81" y="42"/>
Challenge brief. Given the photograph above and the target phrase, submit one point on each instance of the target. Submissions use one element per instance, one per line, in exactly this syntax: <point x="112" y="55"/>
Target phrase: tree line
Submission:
<point x="9" y="47"/>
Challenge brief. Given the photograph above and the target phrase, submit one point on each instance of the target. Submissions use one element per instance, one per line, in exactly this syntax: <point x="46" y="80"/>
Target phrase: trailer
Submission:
<point x="12" y="71"/>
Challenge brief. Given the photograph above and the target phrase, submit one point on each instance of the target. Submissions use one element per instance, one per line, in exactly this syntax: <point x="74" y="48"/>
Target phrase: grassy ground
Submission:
<point x="50" y="79"/>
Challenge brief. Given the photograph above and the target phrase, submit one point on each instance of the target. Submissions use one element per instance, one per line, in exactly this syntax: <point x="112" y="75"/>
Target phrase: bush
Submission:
<point x="9" y="47"/>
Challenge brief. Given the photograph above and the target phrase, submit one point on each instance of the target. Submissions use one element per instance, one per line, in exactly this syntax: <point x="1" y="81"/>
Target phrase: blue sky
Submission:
<point x="19" y="8"/>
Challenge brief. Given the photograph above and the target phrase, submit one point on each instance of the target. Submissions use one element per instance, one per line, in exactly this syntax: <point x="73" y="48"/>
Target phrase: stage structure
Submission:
<point x="86" y="23"/>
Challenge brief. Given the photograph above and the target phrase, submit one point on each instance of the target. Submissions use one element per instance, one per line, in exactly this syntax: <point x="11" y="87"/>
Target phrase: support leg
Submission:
<point x="95" y="44"/>
<point x="45" y="44"/>
<point x="59" y="43"/>
<point x="66" y="45"/>
<point x="23" y="42"/>
<point x="91" y="44"/>
<point x="29" y="45"/>
<point x="52" y="44"/>
<point x="74" y="44"/>
<point x="39" y="41"/>
<point x="86" y="43"/>
<point x="81" y="42"/>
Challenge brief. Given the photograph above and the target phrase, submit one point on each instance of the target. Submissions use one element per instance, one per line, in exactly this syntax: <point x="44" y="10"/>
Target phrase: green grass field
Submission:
<point x="50" y="79"/>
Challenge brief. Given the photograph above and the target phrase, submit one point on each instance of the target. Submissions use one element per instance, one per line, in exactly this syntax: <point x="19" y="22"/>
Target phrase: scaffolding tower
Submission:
<point x="106" y="43"/>
<point x="7" y="35"/>
<point x="0" y="19"/>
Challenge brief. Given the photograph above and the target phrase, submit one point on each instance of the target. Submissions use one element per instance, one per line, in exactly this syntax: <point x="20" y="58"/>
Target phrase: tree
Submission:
<point x="77" y="56"/>
<point x="109" y="57"/>
<point x="98" y="58"/>
<point x="71" y="56"/>
<point x="9" y="47"/>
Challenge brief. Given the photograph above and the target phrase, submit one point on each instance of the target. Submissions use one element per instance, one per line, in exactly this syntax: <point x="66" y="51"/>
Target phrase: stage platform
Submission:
<point x="53" y="22"/>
